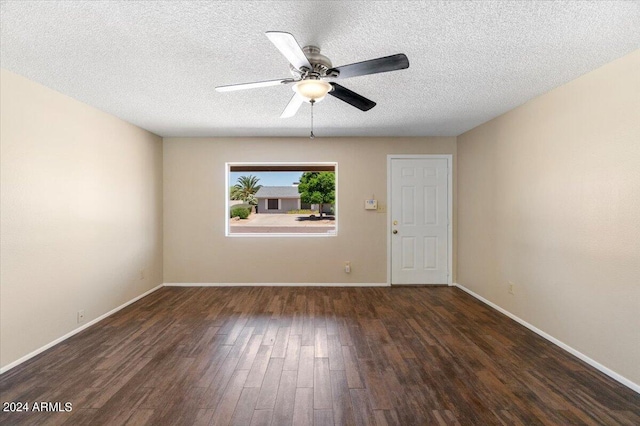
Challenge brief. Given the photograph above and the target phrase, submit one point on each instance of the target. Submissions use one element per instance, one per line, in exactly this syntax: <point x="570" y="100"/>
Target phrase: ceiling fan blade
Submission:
<point x="292" y="106"/>
<point x="373" y="66"/>
<point x="351" y="97"/>
<point x="289" y="47"/>
<point x="242" y="86"/>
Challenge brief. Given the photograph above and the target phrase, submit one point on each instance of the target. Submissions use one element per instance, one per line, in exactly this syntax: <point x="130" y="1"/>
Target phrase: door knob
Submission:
<point x="395" y="231"/>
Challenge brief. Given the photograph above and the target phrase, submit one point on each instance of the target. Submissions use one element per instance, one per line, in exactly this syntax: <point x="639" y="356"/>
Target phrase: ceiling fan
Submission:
<point x="313" y="74"/>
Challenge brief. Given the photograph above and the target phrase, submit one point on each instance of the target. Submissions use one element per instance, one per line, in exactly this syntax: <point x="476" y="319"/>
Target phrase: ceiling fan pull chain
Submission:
<point x="311" y="136"/>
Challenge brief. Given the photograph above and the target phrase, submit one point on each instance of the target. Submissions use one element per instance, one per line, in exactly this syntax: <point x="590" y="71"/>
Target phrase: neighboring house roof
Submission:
<point x="278" y="192"/>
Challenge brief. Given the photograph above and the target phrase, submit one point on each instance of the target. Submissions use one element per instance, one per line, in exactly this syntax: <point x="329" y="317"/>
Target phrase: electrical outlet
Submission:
<point x="511" y="287"/>
<point x="347" y="267"/>
<point x="142" y="274"/>
<point x="81" y="316"/>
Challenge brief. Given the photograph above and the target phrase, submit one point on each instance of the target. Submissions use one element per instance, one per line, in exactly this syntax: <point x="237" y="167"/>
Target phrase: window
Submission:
<point x="281" y="199"/>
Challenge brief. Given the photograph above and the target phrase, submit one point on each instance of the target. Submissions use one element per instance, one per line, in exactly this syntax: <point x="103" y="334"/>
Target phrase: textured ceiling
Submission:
<point x="156" y="63"/>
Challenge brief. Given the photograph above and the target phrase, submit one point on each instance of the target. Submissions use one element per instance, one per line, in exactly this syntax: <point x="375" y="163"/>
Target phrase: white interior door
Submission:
<point x="419" y="220"/>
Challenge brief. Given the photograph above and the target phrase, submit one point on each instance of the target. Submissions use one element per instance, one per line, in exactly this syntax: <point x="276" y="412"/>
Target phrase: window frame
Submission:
<point x="265" y="165"/>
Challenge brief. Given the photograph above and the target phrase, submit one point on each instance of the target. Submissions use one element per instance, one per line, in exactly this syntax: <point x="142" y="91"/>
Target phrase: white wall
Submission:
<point x="549" y="198"/>
<point x="197" y="251"/>
<point x="81" y="196"/>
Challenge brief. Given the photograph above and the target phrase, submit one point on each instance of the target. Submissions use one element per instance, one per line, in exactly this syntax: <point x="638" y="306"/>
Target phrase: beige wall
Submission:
<point x="549" y="198"/>
<point x="197" y="251"/>
<point x="81" y="200"/>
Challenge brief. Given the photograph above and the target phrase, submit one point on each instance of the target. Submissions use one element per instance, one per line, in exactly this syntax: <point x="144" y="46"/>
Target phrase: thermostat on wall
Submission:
<point x="371" y="204"/>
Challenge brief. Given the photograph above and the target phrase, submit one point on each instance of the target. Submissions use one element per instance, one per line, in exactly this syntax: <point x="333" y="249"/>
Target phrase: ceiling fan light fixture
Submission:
<point x="312" y="90"/>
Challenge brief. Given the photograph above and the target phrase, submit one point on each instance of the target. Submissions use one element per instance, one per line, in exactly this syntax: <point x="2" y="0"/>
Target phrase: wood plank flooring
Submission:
<point x="324" y="356"/>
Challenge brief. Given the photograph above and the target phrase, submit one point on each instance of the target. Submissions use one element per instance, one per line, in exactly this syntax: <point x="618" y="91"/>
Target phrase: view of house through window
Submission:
<point x="281" y="199"/>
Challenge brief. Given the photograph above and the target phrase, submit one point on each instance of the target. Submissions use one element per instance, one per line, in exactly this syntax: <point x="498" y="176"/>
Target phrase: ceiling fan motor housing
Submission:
<point x="321" y="65"/>
<point x="315" y="57"/>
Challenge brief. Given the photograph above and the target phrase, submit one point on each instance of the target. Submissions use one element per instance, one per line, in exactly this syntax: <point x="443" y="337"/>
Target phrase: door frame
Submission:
<point x="449" y="158"/>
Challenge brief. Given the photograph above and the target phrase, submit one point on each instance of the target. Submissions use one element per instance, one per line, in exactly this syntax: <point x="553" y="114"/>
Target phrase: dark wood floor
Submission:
<point x="259" y="356"/>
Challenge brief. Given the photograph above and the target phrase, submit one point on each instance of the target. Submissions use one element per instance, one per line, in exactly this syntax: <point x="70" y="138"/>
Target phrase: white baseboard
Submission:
<point x="75" y="331"/>
<point x="617" y="377"/>
<point x="276" y="285"/>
